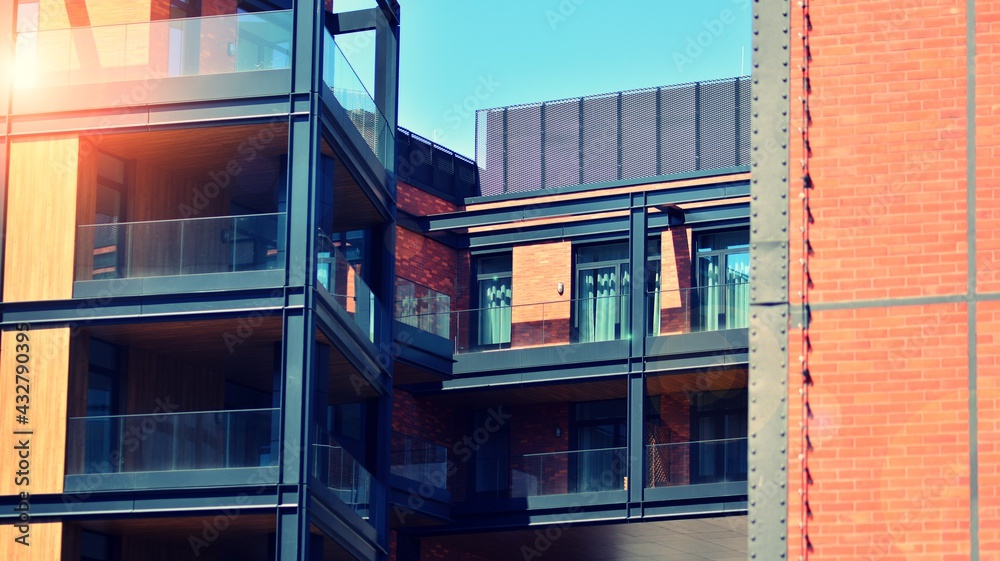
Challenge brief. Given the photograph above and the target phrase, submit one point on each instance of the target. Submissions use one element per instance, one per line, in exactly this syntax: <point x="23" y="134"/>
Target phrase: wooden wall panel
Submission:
<point x="48" y="366"/>
<point x="45" y="539"/>
<point x="155" y="378"/>
<point x="156" y="249"/>
<point x="41" y="219"/>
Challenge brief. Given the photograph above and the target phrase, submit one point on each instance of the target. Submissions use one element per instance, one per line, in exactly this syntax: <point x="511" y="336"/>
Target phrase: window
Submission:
<point x="602" y="287"/>
<point x="494" y="290"/>
<point x="600" y="435"/>
<point x="722" y="268"/>
<point x="109" y="211"/>
<point x="103" y="402"/>
<point x="492" y="459"/>
<point x="719" y="431"/>
<point x="97" y="547"/>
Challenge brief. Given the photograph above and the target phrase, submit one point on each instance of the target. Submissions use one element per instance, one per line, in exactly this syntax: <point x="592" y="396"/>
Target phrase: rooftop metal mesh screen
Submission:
<point x="625" y="135"/>
<point x="422" y="163"/>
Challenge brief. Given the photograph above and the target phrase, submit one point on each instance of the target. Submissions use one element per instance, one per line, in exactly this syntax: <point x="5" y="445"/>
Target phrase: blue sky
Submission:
<point x="461" y="55"/>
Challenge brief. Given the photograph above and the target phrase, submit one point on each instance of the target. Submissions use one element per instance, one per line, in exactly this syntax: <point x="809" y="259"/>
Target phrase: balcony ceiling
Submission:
<point x="577" y="391"/>
<point x="352" y="209"/>
<point x="198" y="150"/>
<point x="204" y="343"/>
<point x="201" y="154"/>
<point x="702" y="539"/>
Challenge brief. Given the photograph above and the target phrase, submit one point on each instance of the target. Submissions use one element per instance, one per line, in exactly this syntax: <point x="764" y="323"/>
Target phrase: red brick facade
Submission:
<point x="541" y="315"/>
<point x="891" y="459"/>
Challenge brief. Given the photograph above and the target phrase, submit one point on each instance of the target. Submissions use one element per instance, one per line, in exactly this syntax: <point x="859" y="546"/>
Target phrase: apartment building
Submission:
<point x="572" y="334"/>
<point x="245" y="316"/>
<point x="198" y="252"/>
<point x="266" y="326"/>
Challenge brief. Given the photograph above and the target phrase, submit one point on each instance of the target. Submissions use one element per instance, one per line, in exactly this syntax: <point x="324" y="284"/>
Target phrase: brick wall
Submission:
<point x="890" y="402"/>
<point x="426" y="261"/>
<point x="532" y="431"/>
<point x="675" y="275"/>
<point x="433" y="421"/>
<point x="420" y="203"/>
<point x="538" y="268"/>
<point x="988" y="400"/>
<point x="987" y="146"/>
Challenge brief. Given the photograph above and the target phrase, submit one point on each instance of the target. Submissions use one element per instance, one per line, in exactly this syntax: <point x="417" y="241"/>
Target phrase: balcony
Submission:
<point x="689" y="463"/>
<point x="350" y="92"/>
<point x="340" y="278"/>
<point x="581" y="320"/>
<point x="422" y="307"/>
<point x="419" y="460"/>
<point x="170" y="449"/>
<point x="154" y="50"/>
<point x="698" y="309"/>
<point x="168" y="248"/>
<point x="553" y="473"/>
<point x="336" y="469"/>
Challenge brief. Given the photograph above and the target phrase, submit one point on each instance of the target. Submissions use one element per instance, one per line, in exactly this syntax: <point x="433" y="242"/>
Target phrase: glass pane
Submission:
<point x="708" y="297"/>
<point x="738" y="290"/>
<point x="597" y="307"/>
<point x="495" y="311"/>
<point x="601" y="253"/>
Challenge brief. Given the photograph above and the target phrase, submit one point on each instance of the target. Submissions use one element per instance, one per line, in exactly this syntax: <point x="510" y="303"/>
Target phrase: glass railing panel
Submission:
<point x="344" y="476"/>
<point x="690" y="463"/>
<point x="579" y="471"/>
<point x="171" y="441"/>
<point x="340" y="278"/>
<point x="350" y="92"/>
<point x="153" y="249"/>
<point x="423" y="308"/>
<point x="157" y="49"/>
<point x="698" y="309"/>
<point x="179" y="247"/>
<point x="580" y="320"/>
<point x="419" y="460"/>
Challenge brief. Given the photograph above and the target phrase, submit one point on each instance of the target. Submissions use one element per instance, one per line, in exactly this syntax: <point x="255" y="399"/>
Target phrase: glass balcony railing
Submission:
<point x="190" y="246"/>
<point x="552" y="473"/>
<point x="419" y="460"/>
<point x="350" y="91"/>
<point x="340" y="278"/>
<point x="172" y="441"/>
<point x="154" y="50"/>
<point x="689" y="463"/>
<point x="581" y="320"/>
<point x="703" y="308"/>
<point x="585" y="320"/>
<point x="344" y="476"/>
<point x="423" y="307"/>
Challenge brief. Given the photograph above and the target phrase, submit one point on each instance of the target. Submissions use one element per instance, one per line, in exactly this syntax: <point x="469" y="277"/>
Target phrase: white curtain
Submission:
<point x="710" y="294"/>
<point x="738" y="293"/>
<point x="495" y="315"/>
<point x="598" y="304"/>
